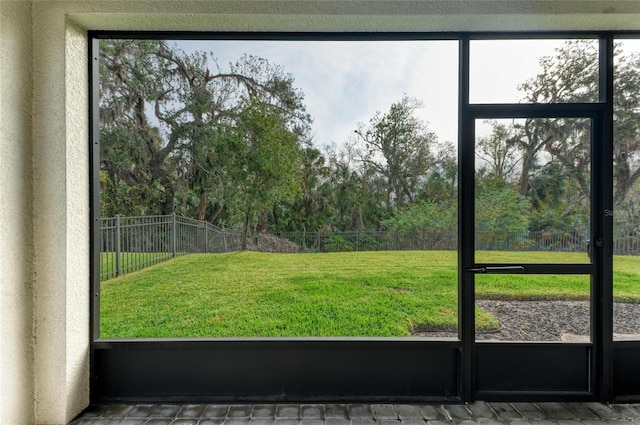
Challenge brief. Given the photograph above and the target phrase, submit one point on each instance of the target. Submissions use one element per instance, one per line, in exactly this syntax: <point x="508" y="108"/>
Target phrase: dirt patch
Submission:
<point x="549" y="321"/>
<point x="264" y="242"/>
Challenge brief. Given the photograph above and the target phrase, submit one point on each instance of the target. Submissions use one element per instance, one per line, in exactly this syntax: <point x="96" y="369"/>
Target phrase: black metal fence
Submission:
<point x="626" y="241"/>
<point x="370" y="241"/>
<point x="576" y="240"/>
<point x="132" y="243"/>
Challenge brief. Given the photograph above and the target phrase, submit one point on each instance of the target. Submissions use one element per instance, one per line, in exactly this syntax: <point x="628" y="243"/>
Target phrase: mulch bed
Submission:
<point x="549" y="321"/>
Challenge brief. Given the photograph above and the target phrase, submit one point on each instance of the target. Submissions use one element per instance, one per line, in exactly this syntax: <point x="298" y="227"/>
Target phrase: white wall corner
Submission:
<point x="16" y="202"/>
<point x="77" y="213"/>
<point x="61" y="211"/>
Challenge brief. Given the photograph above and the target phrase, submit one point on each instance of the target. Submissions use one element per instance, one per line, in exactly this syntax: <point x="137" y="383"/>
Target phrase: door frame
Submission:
<point x="590" y="377"/>
<point x="543" y="369"/>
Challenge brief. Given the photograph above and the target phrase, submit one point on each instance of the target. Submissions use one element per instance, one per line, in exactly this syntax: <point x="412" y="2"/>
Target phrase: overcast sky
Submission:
<point x="347" y="82"/>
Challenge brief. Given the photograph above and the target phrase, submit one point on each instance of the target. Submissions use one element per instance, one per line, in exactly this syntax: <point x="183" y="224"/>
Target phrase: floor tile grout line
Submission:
<point x="468" y="409"/>
<point x="539" y="409"/>
<point x="517" y="411"/>
<point x="446" y="413"/>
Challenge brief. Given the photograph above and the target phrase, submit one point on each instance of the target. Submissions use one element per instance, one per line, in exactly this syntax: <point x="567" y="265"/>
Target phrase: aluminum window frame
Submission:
<point x="609" y="359"/>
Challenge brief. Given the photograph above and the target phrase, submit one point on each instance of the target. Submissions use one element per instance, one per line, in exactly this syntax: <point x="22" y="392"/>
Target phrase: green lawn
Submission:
<point x="331" y="294"/>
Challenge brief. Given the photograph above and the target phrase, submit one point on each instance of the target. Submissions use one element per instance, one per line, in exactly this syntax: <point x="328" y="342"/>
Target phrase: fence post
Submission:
<point x="206" y="238"/>
<point x="118" y="266"/>
<point x="173" y="234"/>
<point x="224" y="240"/>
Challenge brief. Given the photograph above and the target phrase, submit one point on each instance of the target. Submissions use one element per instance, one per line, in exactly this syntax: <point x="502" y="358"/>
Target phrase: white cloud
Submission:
<point x="498" y="67"/>
<point x="346" y="82"/>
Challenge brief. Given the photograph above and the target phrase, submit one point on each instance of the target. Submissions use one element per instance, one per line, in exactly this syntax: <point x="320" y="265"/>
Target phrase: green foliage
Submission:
<point x="311" y="208"/>
<point x="172" y="122"/>
<point x="396" y="151"/>
<point x="366" y="243"/>
<point x="626" y="129"/>
<point x="116" y="197"/>
<point x="501" y="212"/>
<point x="233" y="146"/>
<point x="441" y="184"/>
<point x="571" y="75"/>
<point x="498" y="151"/>
<point x="265" y="162"/>
<point x="337" y="243"/>
<point x="427" y="217"/>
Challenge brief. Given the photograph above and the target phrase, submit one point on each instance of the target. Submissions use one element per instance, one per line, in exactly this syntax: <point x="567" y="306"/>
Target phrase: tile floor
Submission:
<point x="548" y="413"/>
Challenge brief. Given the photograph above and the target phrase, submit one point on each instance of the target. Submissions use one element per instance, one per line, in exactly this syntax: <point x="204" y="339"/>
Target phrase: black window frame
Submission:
<point x="373" y="369"/>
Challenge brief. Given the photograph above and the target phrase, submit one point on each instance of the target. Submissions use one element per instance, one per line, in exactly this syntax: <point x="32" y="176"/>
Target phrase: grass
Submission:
<point x="365" y="294"/>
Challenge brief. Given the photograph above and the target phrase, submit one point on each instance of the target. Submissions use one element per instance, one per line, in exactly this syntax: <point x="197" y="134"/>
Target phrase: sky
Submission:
<point x="347" y="82"/>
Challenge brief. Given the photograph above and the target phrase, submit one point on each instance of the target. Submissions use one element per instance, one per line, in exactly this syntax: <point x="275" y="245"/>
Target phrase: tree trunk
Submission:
<point x="168" y="206"/>
<point x="245" y="230"/>
<point x="202" y="209"/>
<point x="217" y="210"/>
<point x="523" y="183"/>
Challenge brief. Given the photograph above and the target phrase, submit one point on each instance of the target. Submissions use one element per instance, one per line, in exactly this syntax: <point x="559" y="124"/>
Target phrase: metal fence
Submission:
<point x="132" y="243"/>
<point x="370" y="241"/>
<point x="573" y="241"/>
<point x="626" y="241"/>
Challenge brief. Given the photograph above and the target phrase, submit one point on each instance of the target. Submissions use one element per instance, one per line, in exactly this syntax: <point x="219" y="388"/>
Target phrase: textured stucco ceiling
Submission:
<point x="358" y="15"/>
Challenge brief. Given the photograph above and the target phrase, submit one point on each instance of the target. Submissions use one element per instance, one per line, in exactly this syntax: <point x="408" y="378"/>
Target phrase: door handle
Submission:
<point x="477" y="270"/>
<point x="487" y="269"/>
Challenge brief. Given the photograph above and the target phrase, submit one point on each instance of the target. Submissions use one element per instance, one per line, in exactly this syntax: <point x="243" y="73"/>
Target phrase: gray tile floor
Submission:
<point x="362" y="414"/>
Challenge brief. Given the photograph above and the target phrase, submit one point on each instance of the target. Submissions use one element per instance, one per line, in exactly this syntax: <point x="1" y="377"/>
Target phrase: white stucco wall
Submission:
<point x="44" y="215"/>
<point x="16" y="201"/>
<point x="61" y="214"/>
